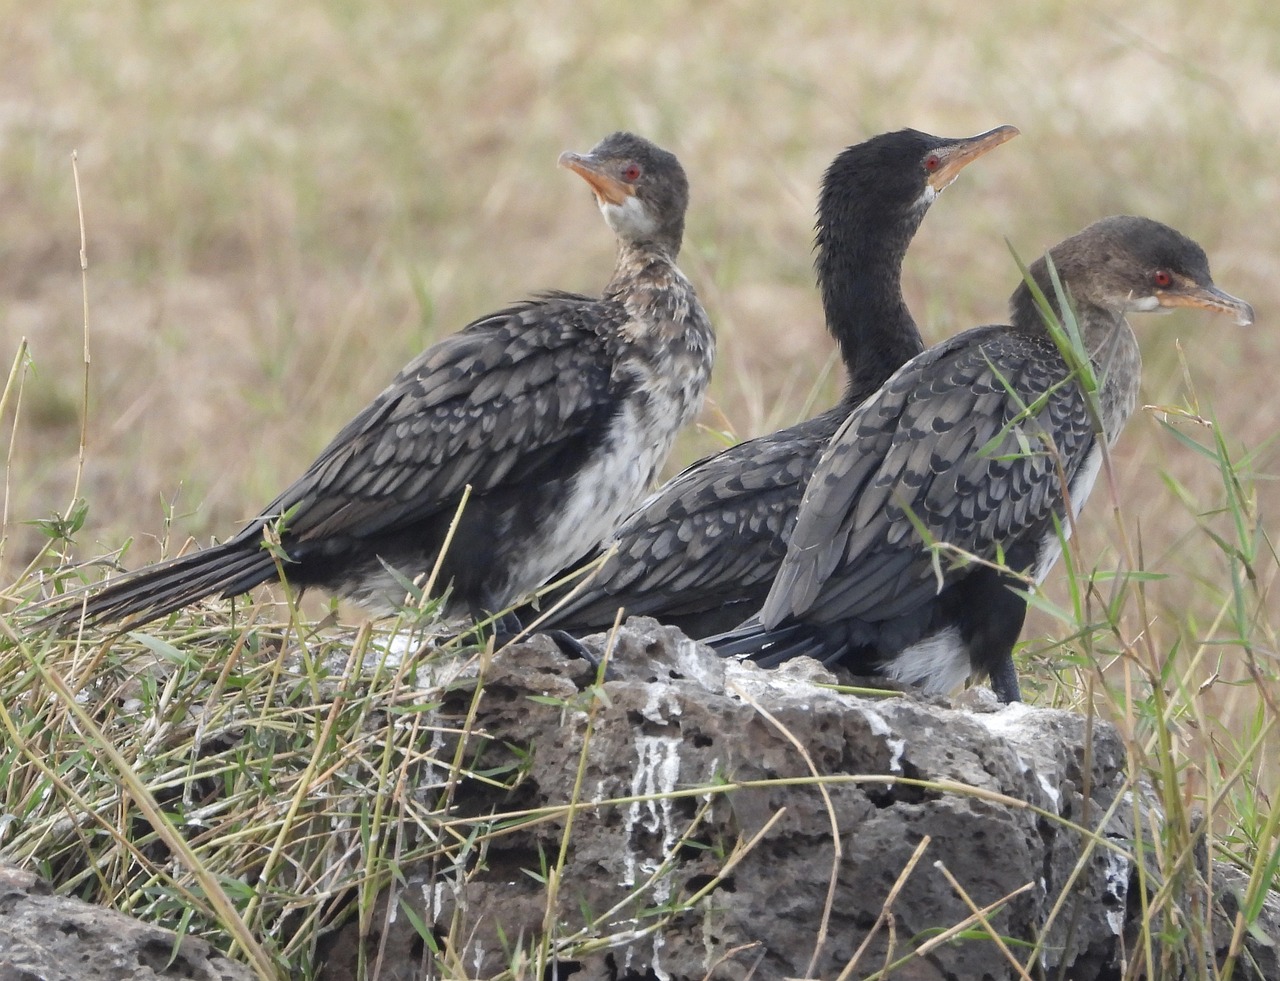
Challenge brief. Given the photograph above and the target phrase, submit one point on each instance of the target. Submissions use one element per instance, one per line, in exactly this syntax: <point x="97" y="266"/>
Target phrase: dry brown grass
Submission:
<point x="285" y="203"/>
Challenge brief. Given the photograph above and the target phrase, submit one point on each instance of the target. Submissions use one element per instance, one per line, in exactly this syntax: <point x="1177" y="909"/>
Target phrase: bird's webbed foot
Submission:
<point x="508" y="627"/>
<point x="570" y="646"/>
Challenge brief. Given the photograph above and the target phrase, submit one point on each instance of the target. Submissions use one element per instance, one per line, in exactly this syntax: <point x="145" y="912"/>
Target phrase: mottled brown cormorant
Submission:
<point x="703" y="550"/>
<point x="556" y="412"/>
<point x="970" y="440"/>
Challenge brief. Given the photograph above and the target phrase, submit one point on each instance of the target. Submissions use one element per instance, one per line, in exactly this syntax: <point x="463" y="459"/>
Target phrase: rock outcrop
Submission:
<point x="44" y="937"/>
<point x="721" y="822"/>
<point x="698" y="778"/>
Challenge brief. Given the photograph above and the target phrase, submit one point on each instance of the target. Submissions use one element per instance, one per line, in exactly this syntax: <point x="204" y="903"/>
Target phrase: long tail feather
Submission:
<point x="770" y="647"/>
<point x="150" y="593"/>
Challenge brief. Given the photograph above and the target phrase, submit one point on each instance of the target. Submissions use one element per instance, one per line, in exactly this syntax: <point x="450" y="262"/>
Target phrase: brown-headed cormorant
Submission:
<point x="702" y="551"/>
<point x="970" y="441"/>
<point x="556" y="412"/>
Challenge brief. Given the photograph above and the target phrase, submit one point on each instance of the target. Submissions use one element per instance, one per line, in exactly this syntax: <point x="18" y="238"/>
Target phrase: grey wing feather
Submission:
<point x="947" y="444"/>
<point x="714" y="530"/>
<point x="480" y="407"/>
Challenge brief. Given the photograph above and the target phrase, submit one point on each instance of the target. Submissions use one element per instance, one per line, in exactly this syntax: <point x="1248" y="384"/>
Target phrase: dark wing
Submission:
<point x="712" y="532"/>
<point x="947" y="441"/>
<point x="482" y="407"/>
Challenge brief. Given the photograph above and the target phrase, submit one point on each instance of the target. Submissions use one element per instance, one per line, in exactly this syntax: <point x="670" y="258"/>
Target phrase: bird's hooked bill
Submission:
<point x="1209" y="298"/>
<point x="607" y="187"/>
<point x="954" y="158"/>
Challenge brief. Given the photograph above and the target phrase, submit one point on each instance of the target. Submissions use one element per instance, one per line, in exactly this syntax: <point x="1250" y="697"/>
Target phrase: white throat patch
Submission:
<point x="1144" y="304"/>
<point x="630" y="220"/>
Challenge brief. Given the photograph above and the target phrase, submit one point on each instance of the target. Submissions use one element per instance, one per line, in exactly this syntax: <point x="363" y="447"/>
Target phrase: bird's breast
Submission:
<point x="1079" y="488"/>
<point x="661" y="388"/>
<point x="603" y="492"/>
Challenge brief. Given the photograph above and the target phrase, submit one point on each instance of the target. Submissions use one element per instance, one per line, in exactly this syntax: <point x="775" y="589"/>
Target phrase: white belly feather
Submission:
<point x="938" y="664"/>
<point x="1079" y="488"/>
<point x="604" y="492"/>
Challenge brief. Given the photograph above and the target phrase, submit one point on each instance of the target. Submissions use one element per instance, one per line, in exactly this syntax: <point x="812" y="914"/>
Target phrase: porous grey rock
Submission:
<point x="999" y="791"/>
<point x="697" y="777"/>
<point x="44" y="937"/>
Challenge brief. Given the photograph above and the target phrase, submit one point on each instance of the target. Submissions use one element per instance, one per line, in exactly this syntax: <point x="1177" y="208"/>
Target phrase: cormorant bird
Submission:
<point x="971" y="441"/>
<point x="702" y="551"/>
<point x="557" y="413"/>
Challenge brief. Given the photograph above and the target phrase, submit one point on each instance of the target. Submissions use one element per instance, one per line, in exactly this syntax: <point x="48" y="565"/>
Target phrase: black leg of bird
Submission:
<point x="1004" y="680"/>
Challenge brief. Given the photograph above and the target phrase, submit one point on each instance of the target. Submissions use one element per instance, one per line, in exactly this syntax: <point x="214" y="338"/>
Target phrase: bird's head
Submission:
<point x="641" y="189"/>
<point x="895" y="175"/>
<point x="1126" y="264"/>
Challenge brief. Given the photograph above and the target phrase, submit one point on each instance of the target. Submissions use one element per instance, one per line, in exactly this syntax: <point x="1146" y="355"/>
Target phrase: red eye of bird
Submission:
<point x="631" y="172"/>
<point x="932" y="162"/>
<point x="1162" y="278"/>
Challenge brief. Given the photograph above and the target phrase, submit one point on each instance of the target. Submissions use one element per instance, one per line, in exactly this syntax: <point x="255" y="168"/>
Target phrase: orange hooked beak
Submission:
<point x="957" y="156"/>
<point x="1206" y="298"/>
<point x="608" y="189"/>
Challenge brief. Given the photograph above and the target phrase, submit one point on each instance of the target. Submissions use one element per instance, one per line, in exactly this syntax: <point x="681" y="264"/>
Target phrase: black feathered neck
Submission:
<point x="873" y="199"/>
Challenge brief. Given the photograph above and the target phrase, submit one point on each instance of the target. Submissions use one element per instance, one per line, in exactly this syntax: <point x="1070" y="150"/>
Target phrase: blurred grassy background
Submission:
<point x="285" y="202"/>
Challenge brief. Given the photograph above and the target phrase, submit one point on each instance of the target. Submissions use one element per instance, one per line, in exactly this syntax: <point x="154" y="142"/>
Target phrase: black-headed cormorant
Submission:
<point x="970" y="441"/>
<point x="702" y="551"/>
<point x="556" y="412"/>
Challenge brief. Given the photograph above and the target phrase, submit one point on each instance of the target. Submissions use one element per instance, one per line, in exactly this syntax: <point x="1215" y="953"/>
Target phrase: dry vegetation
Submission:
<point x="284" y="205"/>
<point x="285" y="202"/>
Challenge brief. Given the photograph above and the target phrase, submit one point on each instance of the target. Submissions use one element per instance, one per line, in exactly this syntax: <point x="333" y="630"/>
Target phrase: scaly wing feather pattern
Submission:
<point x="712" y="532"/>
<point x="483" y="407"/>
<point x="950" y="443"/>
<point x="435" y="428"/>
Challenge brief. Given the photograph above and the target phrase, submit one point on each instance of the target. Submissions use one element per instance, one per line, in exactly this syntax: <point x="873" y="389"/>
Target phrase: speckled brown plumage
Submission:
<point x="557" y="412"/>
